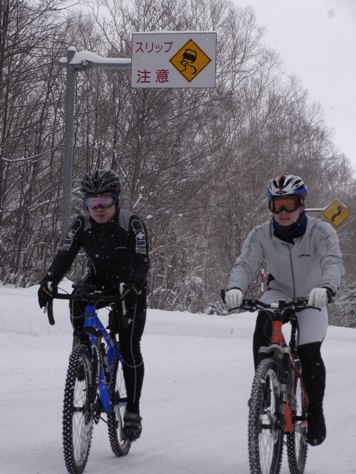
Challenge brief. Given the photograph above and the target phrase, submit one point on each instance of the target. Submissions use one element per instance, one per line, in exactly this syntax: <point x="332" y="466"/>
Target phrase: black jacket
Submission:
<point x="116" y="251"/>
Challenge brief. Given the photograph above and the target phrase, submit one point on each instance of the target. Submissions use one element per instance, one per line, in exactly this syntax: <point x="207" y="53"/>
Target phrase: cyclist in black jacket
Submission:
<point x="116" y="245"/>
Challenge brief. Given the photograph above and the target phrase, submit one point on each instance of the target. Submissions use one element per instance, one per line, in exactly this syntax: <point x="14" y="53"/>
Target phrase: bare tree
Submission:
<point x="193" y="163"/>
<point x="29" y="129"/>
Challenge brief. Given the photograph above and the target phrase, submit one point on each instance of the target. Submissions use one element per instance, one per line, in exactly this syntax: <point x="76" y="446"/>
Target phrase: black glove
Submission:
<point x="46" y="292"/>
<point x="130" y="293"/>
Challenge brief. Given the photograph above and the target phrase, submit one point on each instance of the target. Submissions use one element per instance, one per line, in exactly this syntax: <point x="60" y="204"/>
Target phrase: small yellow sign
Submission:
<point x="190" y="60"/>
<point x="336" y="213"/>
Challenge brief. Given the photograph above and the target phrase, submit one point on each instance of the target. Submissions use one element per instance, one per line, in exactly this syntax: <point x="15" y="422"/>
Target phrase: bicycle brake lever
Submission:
<point x="249" y="305"/>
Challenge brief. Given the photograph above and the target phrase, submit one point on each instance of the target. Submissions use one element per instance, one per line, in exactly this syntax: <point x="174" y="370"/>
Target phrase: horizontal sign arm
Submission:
<point x="87" y="59"/>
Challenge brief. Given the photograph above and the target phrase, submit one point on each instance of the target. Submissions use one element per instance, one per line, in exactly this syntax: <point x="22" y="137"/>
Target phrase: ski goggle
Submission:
<point x="288" y="204"/>
<point x="104" y="201"/>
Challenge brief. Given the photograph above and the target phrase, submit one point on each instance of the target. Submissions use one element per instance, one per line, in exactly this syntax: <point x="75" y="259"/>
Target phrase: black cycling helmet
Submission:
<point x="99" y="182"/>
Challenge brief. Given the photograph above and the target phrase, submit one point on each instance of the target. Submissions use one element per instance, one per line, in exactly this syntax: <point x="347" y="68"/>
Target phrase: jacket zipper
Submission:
<point x="292" y="270"/>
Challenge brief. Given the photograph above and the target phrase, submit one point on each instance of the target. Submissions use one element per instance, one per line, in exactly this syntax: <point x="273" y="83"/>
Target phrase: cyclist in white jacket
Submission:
<point x="304" y="260"/>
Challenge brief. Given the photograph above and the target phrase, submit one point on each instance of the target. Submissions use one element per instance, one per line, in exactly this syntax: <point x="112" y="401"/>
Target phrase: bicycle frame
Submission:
<point x="284" y="354"/>
<point x="105" y="358"/>
<point x="96" y="331"/>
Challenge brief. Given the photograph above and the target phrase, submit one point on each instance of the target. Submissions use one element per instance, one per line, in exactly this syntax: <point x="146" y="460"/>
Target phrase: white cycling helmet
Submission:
<point x="286" y="185"/>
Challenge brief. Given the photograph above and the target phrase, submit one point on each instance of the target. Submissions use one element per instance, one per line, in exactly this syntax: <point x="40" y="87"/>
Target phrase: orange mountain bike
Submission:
<point x="278" y="404"/>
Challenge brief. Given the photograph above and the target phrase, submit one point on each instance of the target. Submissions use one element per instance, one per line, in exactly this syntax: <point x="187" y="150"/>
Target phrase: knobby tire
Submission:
<point x="265" y="429"/>
<point x="119" y="445"/>
<point x="79" y="408"/>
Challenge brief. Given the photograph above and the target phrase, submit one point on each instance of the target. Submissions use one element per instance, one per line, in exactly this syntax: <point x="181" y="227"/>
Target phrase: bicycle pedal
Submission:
<point x="81" y="373"/>
<point x="97" y="411"/>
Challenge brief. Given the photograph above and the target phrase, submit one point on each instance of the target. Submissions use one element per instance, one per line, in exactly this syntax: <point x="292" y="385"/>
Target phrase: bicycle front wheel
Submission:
<point x="78" y="410"/>
<point x="119" y="445"/>
<point x="297" y="446"/>
<point x="265" y="431"/>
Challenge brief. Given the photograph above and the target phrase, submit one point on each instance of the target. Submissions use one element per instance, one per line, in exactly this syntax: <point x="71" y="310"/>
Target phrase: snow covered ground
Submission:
<point x="194" y="404"/>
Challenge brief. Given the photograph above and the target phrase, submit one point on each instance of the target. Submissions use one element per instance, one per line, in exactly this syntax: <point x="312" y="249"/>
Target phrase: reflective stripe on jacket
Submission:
<point x="116" y="251"/>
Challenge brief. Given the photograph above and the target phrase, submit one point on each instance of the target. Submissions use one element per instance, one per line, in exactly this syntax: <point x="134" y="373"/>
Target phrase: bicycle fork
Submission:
<point x="107" y="356"/>
<point x="286" y="384"/>
<point x="282" y="354"/>
<point x="290" y="401"/>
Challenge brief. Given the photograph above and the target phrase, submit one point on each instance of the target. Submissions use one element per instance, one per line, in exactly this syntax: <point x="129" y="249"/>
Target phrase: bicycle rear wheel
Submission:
<point x="297" y="446"/>
<point x="265" y="432"/>
<point x="78" y="409"/>
<point x="119" y="445"/>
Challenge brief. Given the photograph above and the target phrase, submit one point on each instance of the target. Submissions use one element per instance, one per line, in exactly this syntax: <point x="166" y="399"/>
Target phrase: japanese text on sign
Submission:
<point x="144" y="77"/>
<point x="152" y="47"/>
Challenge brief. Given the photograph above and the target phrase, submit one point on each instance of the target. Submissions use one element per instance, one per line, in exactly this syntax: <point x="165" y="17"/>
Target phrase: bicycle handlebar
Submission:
<point x="89" y="295"/>
<point x="252" y="304"/>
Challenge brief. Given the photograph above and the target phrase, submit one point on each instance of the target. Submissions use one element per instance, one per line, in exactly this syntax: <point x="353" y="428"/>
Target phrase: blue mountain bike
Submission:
<point x="95" y="382"/>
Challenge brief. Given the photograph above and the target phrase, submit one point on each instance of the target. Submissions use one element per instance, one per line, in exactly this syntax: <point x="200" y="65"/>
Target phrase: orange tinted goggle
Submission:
<point x="288" y="204"/>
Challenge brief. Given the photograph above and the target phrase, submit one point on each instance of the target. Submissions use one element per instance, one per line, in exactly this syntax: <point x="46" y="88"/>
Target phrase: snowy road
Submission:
<point x="194" y="406"/>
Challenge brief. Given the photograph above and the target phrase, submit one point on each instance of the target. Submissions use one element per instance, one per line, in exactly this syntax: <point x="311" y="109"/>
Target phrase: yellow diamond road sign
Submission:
<point x="336" y="213"/>
<point x="190" y="60"/>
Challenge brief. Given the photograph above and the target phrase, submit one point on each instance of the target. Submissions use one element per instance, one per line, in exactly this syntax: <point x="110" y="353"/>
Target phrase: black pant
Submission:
<point x="129" y="341"/>
<point x="310" y="357"/>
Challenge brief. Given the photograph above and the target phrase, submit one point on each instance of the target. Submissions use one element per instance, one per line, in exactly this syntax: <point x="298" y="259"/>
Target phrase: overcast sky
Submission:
<point x="316" y="40"/>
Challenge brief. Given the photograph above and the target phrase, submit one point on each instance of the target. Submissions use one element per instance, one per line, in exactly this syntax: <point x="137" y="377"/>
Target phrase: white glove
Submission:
<point x="318" y="297"/>
<point x="234" y="298"/>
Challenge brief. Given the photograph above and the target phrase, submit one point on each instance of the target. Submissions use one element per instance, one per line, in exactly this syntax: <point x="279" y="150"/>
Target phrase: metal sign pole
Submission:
<point x="75" y="62"/>
<point x="68" y="142"/>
